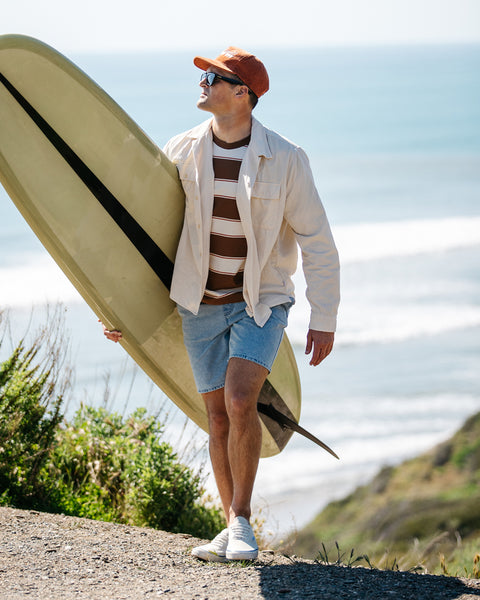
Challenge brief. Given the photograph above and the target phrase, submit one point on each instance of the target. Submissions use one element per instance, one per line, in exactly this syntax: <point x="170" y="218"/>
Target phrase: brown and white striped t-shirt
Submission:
<point x="228" y="246"/>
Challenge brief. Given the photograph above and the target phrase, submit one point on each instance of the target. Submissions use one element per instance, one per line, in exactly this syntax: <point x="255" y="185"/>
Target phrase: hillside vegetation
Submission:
<point x="99" y="464"/>
<point x="425" y="511"/>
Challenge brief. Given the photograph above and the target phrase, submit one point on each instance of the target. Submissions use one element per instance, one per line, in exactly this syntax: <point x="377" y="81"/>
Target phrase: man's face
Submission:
<point x="217" y="98"/>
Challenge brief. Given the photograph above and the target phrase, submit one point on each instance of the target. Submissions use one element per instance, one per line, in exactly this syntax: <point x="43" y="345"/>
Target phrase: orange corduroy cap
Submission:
<point x="244" y="65"/>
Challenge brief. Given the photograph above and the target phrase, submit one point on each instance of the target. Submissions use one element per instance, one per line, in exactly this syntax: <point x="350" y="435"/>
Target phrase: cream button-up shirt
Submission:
<point x="279" y="207"/>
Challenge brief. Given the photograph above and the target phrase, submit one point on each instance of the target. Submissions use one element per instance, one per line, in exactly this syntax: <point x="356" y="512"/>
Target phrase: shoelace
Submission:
<point x="241" y="530"/>
<point x="220" y="541"/>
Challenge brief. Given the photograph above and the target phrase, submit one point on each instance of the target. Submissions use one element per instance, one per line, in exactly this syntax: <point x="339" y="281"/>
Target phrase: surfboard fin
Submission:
<point x="286" y="423"/>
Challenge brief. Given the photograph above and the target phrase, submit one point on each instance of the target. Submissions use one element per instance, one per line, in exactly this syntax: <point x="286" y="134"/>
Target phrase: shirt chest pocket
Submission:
<point x="265" y="205"/>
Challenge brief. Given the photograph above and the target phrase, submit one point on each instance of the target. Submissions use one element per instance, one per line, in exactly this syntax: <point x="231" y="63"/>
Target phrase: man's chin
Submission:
<point x="202" y="105"/>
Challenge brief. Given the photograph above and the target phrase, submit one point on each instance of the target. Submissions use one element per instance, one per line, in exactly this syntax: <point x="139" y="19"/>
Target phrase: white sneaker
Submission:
<point x="215" y="550"/>
<point x="241" y="541"/>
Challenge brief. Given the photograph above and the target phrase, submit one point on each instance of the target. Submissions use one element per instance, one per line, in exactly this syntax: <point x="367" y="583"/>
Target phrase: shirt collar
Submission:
<point x="258" y="143"/>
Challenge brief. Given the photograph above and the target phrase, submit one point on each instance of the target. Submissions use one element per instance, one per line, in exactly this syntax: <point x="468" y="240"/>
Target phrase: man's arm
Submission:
<point x="306" y="215"/>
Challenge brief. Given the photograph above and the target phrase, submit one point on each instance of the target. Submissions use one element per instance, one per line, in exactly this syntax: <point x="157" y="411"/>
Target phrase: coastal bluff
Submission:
<point x="55" y="557"/>
<point x="416" y="512"/>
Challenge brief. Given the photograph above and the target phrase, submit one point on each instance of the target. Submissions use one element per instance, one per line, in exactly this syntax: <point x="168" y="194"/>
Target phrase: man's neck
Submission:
<point x="232" y="129"/>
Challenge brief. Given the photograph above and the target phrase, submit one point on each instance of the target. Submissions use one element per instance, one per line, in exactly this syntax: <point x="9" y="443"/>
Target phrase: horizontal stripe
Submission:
<point x="225" y="189"/>
<point x="228" y="246"/>
<point x="224" y="299"/>
<point x="219" y="281"/>
<point x="227" y="228"/>
<point x="226" y="169"/>
<point x="225" y="208"/>
<point x="223" y="292"/>
<point x="226" y="265"/>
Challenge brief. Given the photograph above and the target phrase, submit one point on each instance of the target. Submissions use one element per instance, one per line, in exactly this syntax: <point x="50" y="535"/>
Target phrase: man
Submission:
<point x="250" y="198"/>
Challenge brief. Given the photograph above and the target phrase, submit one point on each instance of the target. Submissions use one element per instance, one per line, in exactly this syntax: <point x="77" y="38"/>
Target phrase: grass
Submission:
<point x="465" y="562"/>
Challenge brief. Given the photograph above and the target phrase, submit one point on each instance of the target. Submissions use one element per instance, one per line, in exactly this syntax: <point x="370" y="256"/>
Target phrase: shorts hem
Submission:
<point x="254" y="360"/>
<point x="211" y="389"/>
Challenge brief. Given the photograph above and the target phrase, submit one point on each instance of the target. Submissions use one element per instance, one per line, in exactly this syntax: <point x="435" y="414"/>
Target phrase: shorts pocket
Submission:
<point x="280" y="313"/>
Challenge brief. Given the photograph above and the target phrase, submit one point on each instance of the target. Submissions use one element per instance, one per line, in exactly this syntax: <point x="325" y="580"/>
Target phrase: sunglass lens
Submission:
<point x="207" y="78"/>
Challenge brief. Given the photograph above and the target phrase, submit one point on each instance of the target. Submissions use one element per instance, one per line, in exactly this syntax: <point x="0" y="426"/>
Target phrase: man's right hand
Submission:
<point x="111" y="334"/>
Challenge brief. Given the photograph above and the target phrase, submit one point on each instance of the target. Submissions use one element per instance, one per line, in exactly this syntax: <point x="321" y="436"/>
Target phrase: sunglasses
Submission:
<point x="209" y="79"/>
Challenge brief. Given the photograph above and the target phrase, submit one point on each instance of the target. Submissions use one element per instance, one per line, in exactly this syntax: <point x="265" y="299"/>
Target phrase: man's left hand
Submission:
<point x="322" y="344"/>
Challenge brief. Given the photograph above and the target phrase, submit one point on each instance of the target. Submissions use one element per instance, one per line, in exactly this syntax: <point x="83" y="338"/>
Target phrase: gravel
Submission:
<point x="54" y="557"/>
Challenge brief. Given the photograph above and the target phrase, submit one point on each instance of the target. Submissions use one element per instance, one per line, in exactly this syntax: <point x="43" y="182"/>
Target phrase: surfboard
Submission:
<point x="108" y="206"/>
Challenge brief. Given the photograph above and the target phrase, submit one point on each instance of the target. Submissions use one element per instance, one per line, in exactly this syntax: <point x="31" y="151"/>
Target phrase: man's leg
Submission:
<point x="235" y="435"/>
<point x="242" y="387"/>
<point x="218" y="425"/>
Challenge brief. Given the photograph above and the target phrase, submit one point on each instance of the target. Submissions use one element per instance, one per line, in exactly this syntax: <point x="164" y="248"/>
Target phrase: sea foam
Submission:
<point x="379" y="304"/>
<point x="373" y="241"/>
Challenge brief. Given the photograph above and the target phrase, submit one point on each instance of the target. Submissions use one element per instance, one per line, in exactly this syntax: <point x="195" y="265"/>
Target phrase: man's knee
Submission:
<point x="218" y="422"/>
<point x="240" y="404"/>
<point x="244" y="382"/>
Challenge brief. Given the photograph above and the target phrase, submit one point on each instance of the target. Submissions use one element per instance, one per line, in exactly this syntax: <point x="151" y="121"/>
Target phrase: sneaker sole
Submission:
<point x="209" y="556"/>
<point x="247" y="555"/>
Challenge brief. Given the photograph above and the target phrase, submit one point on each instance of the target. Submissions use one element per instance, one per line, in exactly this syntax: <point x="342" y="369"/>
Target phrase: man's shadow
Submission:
<point x="331" y="582"/>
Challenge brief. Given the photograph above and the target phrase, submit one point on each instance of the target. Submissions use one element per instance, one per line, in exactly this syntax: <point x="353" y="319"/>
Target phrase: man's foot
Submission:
<point x="241" y="541"/>
<point x="215" y="550"/>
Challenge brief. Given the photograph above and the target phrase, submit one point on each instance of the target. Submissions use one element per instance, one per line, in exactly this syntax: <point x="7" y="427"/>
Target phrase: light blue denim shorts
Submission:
<point x="221" y="332"/>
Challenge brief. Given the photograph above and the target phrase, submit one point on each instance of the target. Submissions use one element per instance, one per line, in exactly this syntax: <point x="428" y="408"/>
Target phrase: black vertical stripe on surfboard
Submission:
<point x="155" y="257"/>
<point x="270" y="401"/>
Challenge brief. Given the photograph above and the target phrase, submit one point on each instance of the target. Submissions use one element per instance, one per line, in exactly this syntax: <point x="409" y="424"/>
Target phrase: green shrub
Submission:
<point x="106" y="467"/>
<point x="31" y="397"/>
<point x="100" y="465"/>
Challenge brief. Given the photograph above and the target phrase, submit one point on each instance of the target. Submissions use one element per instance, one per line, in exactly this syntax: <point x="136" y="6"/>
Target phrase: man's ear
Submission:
<point x="241" y="91"/>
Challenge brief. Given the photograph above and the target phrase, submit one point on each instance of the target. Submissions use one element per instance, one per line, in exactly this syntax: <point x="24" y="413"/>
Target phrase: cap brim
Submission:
<point x="206" y="63"/>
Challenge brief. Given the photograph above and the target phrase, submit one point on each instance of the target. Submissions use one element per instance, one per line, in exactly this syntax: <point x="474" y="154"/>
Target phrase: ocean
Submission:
<point x="393" y="136"/>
